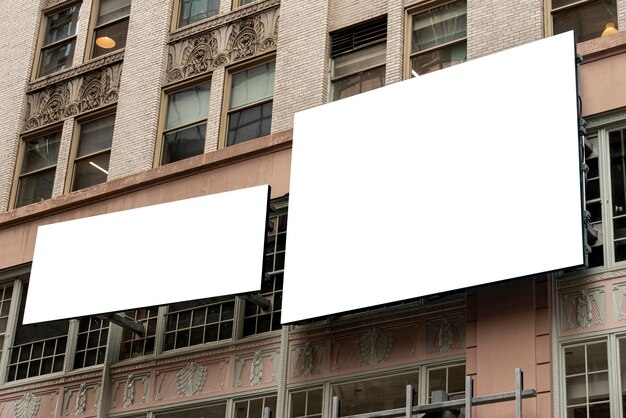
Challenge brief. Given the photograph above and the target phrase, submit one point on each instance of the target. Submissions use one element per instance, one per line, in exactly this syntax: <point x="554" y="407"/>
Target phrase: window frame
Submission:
<point x="43" y="26"/>
<point x="70" y="175"/>
<point x="177" y="11"/>
<point x="237" y="3"/>
<point x="549" y="15"/>
<point x="162" y="131"/>
<point x="18" y="175"/>
<point x="93" y="27"/>
<point x="226" y="111"/>
<point x="410" y="13"/>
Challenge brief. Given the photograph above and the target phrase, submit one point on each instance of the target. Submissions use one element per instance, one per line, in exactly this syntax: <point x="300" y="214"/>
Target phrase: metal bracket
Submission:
<point x="258" y="300"/>
<point x="124" y="322"/>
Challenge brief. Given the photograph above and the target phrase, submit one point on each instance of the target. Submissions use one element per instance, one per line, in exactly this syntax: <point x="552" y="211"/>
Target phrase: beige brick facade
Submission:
<point x="137" y="118"/>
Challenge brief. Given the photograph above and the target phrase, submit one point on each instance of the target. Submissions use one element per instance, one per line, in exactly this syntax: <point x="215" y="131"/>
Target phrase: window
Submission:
<point x="59" y="41"/>
<point x="358" y="57"/>
<point x="111" y="26"/>
<point x="91" y="342"/>
<point x="438" y="37"/>
<point x="306" y="404"/>
<point x="250" y="107"/>
<point x="253" y="408"/>
<point x="256" y="320"/>
<point x="191" y="11"/>
<point x="213" y="411"/>
<point x="594" y="377"/>
<point x="199" y="322"/>
<point x="185" y="123"/>
<point x="606" y="182"/>
<point x="91" y="165"/>
<point x="449" y="378"/>
<point x="587" y="18"/>
<point x="244" y="2"/>
<point x="132" y="345"/>
<point x="37" y="170"/>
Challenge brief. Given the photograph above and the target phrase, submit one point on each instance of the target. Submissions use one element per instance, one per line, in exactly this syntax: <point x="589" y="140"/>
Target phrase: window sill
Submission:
<point x="595" y="49"/>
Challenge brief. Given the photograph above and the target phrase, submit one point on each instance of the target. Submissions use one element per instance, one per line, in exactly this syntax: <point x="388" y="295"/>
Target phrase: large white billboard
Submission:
<point x="189" y="249"/>
<point x="461" y="177"/>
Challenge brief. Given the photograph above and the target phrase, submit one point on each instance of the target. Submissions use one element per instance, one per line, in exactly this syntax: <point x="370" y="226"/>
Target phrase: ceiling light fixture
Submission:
<point x="91" y="163"/>
<point x="105" y="42"/>
<point x="609" y="29"/>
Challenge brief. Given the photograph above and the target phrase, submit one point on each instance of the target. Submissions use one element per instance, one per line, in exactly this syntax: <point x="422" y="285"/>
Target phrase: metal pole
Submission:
<point x="267" y="412"/>
<point x="409" y="401"/>
<point x="519" y="386"/>
<point x="335" y="411"/>
<point x="469" y="394"/>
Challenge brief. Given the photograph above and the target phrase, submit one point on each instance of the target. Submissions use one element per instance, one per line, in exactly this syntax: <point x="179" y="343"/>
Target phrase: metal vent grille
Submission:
<point x="358" y="36"/>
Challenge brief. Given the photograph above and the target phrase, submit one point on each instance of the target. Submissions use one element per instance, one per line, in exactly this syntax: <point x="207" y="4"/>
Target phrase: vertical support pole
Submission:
<point x="267" y="412"/>
<point x="469" y="394"/>
<point x="519" y="386"/>
<point x="335" y="411"/>
<point x="409" y="401"/>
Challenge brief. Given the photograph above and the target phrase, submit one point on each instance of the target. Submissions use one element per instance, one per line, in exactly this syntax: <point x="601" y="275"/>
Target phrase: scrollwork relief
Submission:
<point x="73" y="97"/>
<point x="190" y="380"/>
<point x="250" y="36"/>
<point x="374" y="347"/>
<point x="583" y="309"/>
<point x="307" y="358"/>
<point x="445" y="334"/>
<point x="27" y="406"/>
<point x="81" y="399"/>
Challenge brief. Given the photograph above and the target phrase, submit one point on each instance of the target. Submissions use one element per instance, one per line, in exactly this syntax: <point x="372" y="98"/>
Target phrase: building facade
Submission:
<point x="110" y="105"/>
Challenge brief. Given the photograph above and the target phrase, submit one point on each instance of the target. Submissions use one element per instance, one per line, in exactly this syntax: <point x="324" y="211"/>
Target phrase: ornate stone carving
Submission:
<point x="584" y="308"/>
<point x="250" y="36"/>
<point x="256" y="370"/>
<point x="619" y="300"/>
<point x="374" y="347"/>
<point x="27" y="406"/>
<point x="307" y="358"/>
<point x="73" y="97"/>
<point x="190" y="380"/>
<point x="129" y="391"/>
<point x="81" y="399"/>
<point x="445" y="334"/>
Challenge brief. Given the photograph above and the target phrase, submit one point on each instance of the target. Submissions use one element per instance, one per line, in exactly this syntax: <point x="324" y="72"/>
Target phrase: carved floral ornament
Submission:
<point x="242" y="39"/>
<point x="70" y="98"/>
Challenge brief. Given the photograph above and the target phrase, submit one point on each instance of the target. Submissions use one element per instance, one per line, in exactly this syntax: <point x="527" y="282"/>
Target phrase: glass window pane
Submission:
<point x="250" y="123"/>
<point x="91" y="171"/>
<point x="576" y="390"/>
<point x="112" y="9"/>
<point x="358" y="83"/>
<point x="184" y="143"/>
<point x="95" y="136"/>
<point x="56" y="58"/>
<point x="439" y="58"/>
<point x="599" y="387"/>
<point x="188" y="106"/>
<point x="214" y="411"/>
<point x="41" y="152"/>
<point x="439" y="26"/>
<point x="359" y="60"/>
<point x="374" y="395"/>
<point x="110" y="38"/>
<point x="61" y="25"/>
<point x="597" y="357"/>
<point x="252" y="85"/>
<point x="195" y="10"/>
<point x="588" y="20"/>
<point x="574" y="360"/>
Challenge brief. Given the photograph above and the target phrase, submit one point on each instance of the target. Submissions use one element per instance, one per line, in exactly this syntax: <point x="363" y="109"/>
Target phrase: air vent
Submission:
<point x="359" y="36"/>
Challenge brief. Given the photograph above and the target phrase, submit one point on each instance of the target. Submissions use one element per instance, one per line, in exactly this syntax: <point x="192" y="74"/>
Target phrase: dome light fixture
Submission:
<point x="105" y="42"/>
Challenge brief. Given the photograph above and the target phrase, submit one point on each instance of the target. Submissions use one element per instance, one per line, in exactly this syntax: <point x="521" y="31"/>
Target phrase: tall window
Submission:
<point x="605" y="194"/>
<point x="185" y="123"/>
<point x="358" y="58"/>
<point x="91" y="165"/>
<point x="59" y="41"/>
<point x="438" y="37"/>
<point x="250" y="106"/>
<point x="111" y="26"/>
<point x="587" y="18"/>
<point x="191" y="11"/>
<point x="37" y="170"/>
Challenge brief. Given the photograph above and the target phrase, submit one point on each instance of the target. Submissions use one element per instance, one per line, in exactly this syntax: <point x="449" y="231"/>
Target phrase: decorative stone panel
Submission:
<point x="619" y="299"/>
<point x="445" y="334"/>
<point x="307" y="359"/>
<point x="374" y="346"/>
<point x="584" y="308"/>
<point x="131" y="390"/>
<point x="242" y="39"/>
<point x="72" y="97"/>
<point x="27" y="406"/>
<point x="255" y="368"/>
<point x="81" y="399"/>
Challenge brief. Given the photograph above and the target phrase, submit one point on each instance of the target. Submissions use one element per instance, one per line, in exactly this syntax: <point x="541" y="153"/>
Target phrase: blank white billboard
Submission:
<point x="461" y="177"/>
<point x="189" y="249"/>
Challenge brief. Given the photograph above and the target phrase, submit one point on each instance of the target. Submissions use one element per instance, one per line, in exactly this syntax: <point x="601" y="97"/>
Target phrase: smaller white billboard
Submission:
<point x="189" y="249"/>
<point x="464" y="176"/>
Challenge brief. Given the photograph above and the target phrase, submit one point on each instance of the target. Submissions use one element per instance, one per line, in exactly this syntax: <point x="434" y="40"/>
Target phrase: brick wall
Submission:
<point x="494" y="25"/>
<point x="137" y="117"/>
<point x="18" y="32"/>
